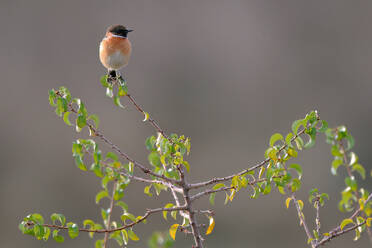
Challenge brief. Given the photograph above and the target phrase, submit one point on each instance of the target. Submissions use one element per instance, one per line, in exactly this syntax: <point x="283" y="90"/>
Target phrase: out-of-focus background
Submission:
<point x="226" y="73"/>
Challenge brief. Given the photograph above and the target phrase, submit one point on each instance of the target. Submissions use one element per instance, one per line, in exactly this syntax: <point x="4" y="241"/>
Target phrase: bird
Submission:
<point x="115" y="49"/>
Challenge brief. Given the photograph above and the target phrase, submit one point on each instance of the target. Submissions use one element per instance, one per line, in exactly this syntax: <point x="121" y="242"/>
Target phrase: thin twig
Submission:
<point x="337" y="230"/>
<point x="147" y="214"/>
<point x="208" y="192"/>
<point x="302" y="220"/>
<point x="227" y="178"/>
<point x="108" y="226"/>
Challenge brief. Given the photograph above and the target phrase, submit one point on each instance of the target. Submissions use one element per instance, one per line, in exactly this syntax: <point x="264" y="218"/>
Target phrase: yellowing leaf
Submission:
<point x="368" y="221"/>
<point x="132" y="235"/>
<point x="212" y="223"/>
<point x="301" y="204"/>
<point x="173" y="230"/>
<point x="288" y="201"/>
<point x="146" y="116"/>
<point x="346" y="222"/>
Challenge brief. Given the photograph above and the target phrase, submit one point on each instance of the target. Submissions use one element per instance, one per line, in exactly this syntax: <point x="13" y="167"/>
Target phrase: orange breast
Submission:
<point x="114" y="52"/>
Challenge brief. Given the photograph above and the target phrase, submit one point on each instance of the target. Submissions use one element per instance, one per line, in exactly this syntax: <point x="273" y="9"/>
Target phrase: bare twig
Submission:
<point x="108" y="225"/>
<point x="302" y="220"/>
<point x="208" y="192"/>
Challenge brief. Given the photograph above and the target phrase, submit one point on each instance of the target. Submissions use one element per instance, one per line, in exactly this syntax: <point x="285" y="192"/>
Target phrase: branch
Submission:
<point x="208" y="192"/>
<point x="302" y="219"/>
<point x="259" y="165"/>
<point x="337" y="231"/>
<point x="99" y="134"/>
<point x="147" y="214"/>
<point x="108" y="226"/>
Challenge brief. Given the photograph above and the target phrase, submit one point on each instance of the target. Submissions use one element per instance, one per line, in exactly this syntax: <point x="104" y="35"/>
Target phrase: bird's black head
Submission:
<point x="119" y="30"/>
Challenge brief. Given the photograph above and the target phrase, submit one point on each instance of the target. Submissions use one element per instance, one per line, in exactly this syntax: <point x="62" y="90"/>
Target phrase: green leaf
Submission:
<point x="81" y="121"/>
<point x="299" y="143"/>
<point x="37" y="218"/>
<point x="147" y="190"/>
<point x="212" y="198"/>
<point x="102" y="194"/>
<point x="312" y="135"/>
<point x="109" y="91"/>
<point x="296" y="124"/>
<point x="351" y="182"/>
<point x="298" y="168"/>
<point x="123" y="205"/>
<point x="52" y="97"/>
<point x="288" y="138"/>
<point x="274" y="138"/>
<point x="169" y="205"/>
<point x="353" y="158"/>
<point x="46" y="233"/>
<point x="103" y="81"/>
<point x="60" y="217"/>
<point x="117" y="101"/>
<point x="360" y="169"/>
<point x="73" y="230"/>
<point x="296" y="185"/>
<point x="173" y="230"/>
<point x="154" y="159"/>
<point x="57" y="238"/>
<point x="346" y="222"/>
<point x="128" y="216"/>
<point x="112" y="156"/>
<point x="95" y="119"/>
<point x="79" y="162"/>
<point x="324" y="126"/>
<point x="99" y="243"/>
<point x="335" y="164"/>
<point x="66" y="119"/>
<point x="132" y="235"/>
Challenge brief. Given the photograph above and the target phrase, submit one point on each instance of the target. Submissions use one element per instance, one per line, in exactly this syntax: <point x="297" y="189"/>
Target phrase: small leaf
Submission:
<point x="66" y="119"/>
<point x="212" y="198"/>
<point x="95" y="119"/>
<point x="101" y="195"/>
<point x="288" y="201"/>
<point x="353" y="158"/>
<point x="132" y="235"/>
<point x="211" y="226"/>
<point x="60" y="217"/>
<point x="57" y="238"/>
<point x="298" y="168"/>
<point x="103" y="81"/>
<point x="346" y="222"/>
<point x="296" y="184"/>
<point x="81" y="121"/>
<point x="274" y="138"/>
<point x="288" y="138"/>
<point x="73" y="230"/>
<point x="147" y="190"/>
<point x="360" y="169"/>
<point x="117" y="101"/>
<point x="335" y="164"/>
<point x="169" y="205"/>
<point x="300" y="204"/>
<point x="173" y="230"/>
<point x="147" y="116"/>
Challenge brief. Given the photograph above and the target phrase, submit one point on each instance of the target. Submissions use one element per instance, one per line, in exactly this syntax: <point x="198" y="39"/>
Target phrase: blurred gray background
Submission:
<point x="226" y="73"/>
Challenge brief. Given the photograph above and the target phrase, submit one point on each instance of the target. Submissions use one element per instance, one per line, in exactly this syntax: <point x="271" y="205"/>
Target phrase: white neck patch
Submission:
<point x="115" y="35"/>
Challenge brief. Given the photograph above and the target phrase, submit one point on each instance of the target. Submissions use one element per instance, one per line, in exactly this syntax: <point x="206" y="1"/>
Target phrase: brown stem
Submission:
<point x="108" y="226"/>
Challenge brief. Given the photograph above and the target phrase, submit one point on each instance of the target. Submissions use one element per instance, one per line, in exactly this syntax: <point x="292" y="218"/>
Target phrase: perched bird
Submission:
<point x="115" y="49"/>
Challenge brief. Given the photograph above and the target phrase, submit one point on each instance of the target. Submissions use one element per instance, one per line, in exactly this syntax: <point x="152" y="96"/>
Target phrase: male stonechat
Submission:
<point x="115" y="49"/>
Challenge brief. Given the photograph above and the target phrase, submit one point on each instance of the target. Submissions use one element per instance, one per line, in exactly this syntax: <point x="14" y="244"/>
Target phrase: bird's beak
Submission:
<point x="129" y="30"/>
